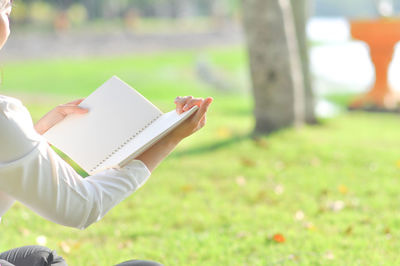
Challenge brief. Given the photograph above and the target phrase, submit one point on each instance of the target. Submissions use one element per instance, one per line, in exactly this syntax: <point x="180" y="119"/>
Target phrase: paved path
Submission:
<point x="34" y="45"/>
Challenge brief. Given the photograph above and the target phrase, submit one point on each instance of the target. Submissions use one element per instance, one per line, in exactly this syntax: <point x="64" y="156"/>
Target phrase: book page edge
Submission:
<point x="162" y="134"/>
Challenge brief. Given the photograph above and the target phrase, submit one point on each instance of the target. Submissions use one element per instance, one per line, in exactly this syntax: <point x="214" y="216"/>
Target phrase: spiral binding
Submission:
<point x="124" y="143"/>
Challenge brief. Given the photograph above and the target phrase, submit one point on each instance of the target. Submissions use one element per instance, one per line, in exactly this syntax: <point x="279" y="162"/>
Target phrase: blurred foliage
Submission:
<point x="41" y="12"/>
<point x="62" y="14"/>
<point x="163" y="8"/>
<point x="77" y="14"/>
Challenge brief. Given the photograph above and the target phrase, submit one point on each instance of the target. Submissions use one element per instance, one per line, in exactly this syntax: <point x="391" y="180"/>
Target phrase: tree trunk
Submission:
<point x="301" y="13"/>
<point x="275" y="64"/>
<point x="269" y="65"/>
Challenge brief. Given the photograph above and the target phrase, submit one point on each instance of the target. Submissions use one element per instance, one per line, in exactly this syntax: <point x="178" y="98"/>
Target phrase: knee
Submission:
<point x="44" y="256"/>
<point x="139" y="263"/>
<point x="5" y="263"/>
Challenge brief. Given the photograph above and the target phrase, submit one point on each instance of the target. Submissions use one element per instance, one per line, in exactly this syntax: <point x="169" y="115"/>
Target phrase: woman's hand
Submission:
<point x="197" y="120"/>
<point x="156" y="153"/>
<point x="58" y="114"/>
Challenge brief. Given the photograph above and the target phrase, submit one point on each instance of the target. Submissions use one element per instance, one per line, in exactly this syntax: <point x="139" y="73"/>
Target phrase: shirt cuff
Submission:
<point x="138" y="170"/>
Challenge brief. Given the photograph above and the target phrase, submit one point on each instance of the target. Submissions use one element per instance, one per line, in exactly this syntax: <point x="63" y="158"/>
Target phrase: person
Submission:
<point x="33" y="174"/>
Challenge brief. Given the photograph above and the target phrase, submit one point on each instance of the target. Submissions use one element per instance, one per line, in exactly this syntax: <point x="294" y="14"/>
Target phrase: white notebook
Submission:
<point x="120" y="125"/>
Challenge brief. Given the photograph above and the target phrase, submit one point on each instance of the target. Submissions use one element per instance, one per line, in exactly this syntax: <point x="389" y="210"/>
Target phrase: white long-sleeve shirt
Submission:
<point x="33" y="174"/>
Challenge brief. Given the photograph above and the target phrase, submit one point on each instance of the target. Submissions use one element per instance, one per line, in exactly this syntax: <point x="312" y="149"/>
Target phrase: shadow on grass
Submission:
<point x="134" y="236"/>
<point x="213" y="146"/>
<point x="257" y="138"/>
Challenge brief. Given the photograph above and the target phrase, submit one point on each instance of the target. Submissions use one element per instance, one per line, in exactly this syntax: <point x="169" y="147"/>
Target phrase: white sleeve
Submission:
<point x="44" y="182"/>
<point x="5" y="203"/>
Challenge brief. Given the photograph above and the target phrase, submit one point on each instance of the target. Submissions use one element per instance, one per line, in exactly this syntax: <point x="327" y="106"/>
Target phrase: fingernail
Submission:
<point x="185" y="107"/>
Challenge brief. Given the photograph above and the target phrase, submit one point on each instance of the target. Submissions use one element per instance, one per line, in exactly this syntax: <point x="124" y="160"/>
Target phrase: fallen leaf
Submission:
<point x="65" y="247"/>
<point x="310" y="226"/>
<point x="365" y="221"/>
<point x="262" y="195"/>
<point x="241" y="181"/>
<point x="343" y="189"/>
<point x="329" y="255"/>
<point x="261" y="142"/>
<point x="279" y="189"/>
<point x="324" y="193"/>
<point x="299" y="216"/>
<point x="187" y="188"/>
<point x="279" y="238"/>
<point x="224" y="133"/>
<point x="248" y="162"/>
<point x="336" y="206"/>
<point x="322" y="209"/>
<point x="24" y="232"/>
<point x="69" y="245"/>
<point x="76" y="245"/>
<point x="349" y="230"/>
<point x="293" y="257"/>
<point x="370" y="193"/>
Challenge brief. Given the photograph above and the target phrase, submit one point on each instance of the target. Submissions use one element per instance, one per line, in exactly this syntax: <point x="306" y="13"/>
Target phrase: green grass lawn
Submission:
<point x="332" y="190"/>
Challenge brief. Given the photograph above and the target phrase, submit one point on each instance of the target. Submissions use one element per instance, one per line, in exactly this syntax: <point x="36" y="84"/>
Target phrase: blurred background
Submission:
<point x="325" y="194"/>
<point x="51" y="29"/>
<point x="101" y="27"/>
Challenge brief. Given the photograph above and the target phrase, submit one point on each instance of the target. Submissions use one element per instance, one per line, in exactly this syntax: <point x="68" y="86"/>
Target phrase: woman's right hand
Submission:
<point x="58" y="114"/>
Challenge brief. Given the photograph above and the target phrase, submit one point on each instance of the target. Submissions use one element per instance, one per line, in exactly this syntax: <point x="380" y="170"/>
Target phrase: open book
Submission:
<point x="120" y="125"/>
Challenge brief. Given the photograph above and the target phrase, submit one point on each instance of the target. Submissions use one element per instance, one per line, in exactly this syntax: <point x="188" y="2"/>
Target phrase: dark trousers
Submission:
<point x="42" y="256"/>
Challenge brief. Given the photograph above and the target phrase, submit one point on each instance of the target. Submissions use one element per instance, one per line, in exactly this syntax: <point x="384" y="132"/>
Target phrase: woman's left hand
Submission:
<point x="58" y="114"/>
<point x="197" y="120"/>
<point x="156" y="153"/>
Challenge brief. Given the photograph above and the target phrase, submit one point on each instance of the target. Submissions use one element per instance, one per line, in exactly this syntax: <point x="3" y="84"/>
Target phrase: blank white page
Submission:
<point x="162" y="126"/>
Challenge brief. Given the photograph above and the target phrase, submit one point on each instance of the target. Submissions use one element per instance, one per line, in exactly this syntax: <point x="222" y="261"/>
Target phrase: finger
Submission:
<point x="200" y="114"/>
<point x="76" y="102"/>
<point x="202" y="122"/>
<point x="180" y="102"/>
<point x="181" y="98"/>
<point x="189" y="104"/>
<point x="71" y="109"/>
